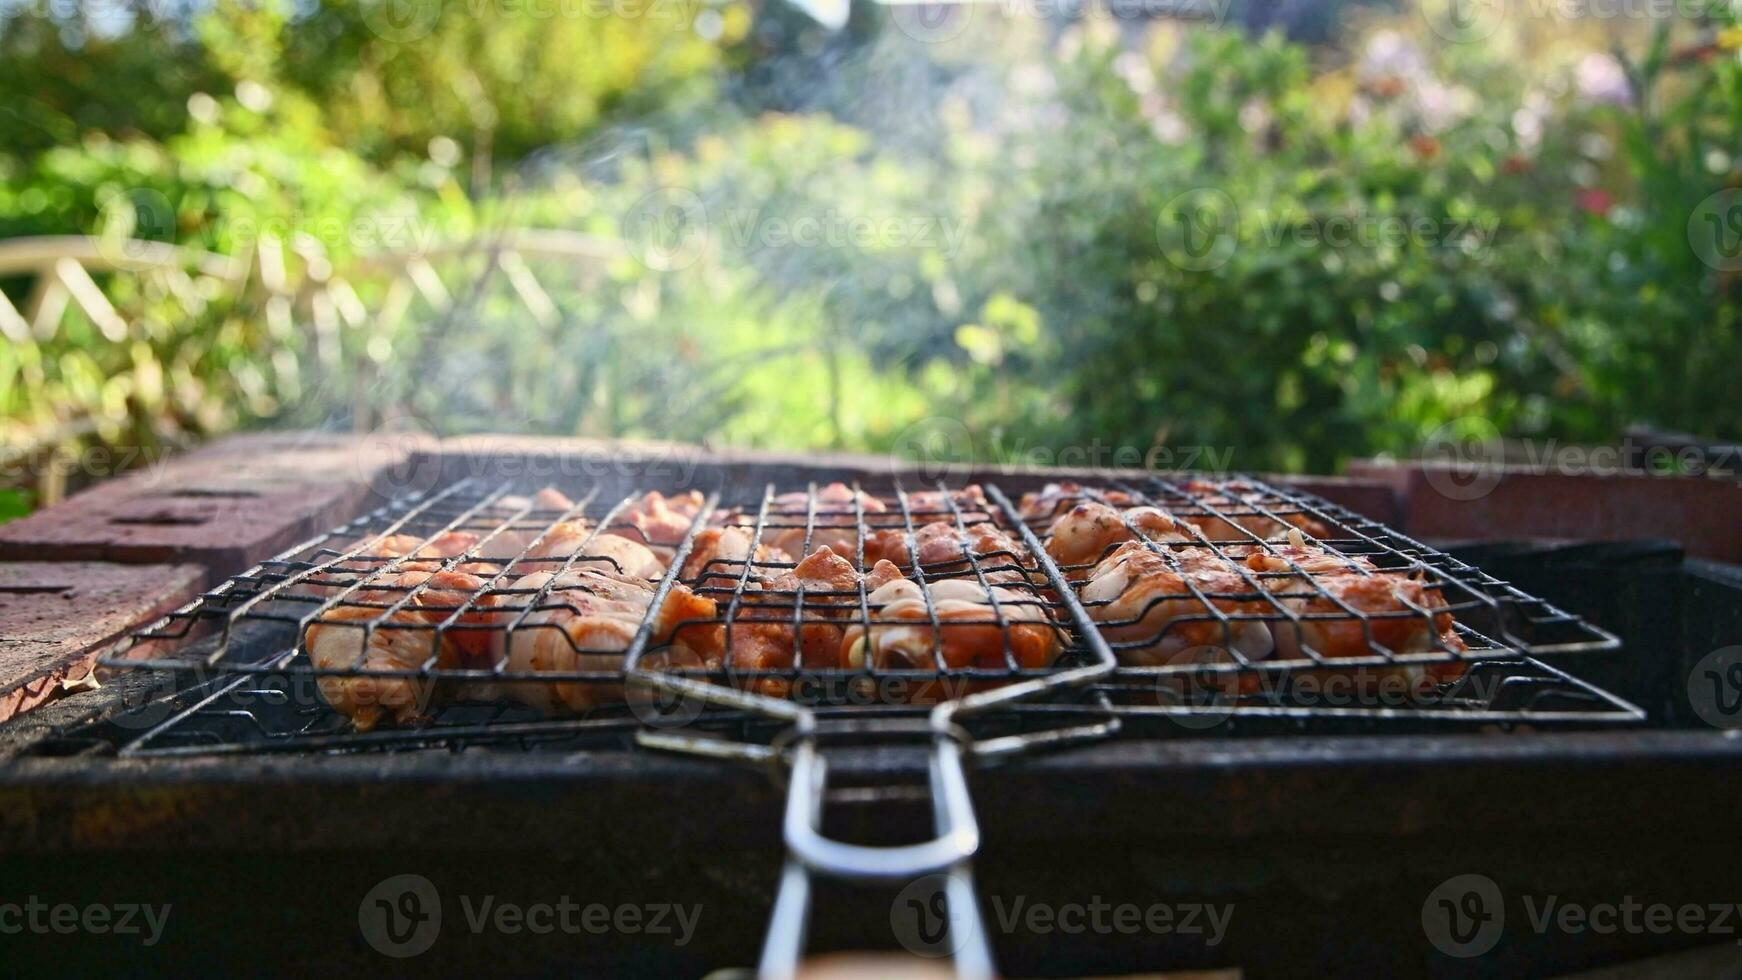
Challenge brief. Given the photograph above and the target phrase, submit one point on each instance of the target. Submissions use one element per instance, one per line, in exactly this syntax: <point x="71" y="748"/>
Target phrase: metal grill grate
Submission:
<point x="762" y="633"/>
<point x="779" y="627"/>
<point x="1240" y="521"/>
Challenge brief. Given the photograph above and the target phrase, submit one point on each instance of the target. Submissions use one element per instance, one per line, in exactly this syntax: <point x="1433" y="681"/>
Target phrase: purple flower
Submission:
<point x="1600" y="80"/>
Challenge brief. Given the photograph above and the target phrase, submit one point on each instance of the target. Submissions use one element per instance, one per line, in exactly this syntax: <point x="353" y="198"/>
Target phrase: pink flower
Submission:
<point x="1595" y="200"/>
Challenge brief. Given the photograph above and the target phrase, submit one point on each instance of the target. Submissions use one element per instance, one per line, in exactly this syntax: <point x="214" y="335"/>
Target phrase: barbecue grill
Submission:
<point x="218" y="704"/>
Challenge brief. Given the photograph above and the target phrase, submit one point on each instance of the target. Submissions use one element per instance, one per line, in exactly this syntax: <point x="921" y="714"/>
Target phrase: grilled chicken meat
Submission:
<point x="1085" y="533"/>
<point x="718" y="556"/>
<point x="967" y="633"/>
<point x="1039" y="510"/>
<point x="549" y="498"/>
<point x="405" y="640"/>
<point x="658" y="522"/>
<point x="585" y="620"/>
<point x="834" y="522"/>
<point x="550" y="547"/>
<point x="1164" y="608"/>
<point x="925" y="506"/>
<point x="943" y="548"/>
<point x="1242" y="511"/>
<point x="762" y="637"/>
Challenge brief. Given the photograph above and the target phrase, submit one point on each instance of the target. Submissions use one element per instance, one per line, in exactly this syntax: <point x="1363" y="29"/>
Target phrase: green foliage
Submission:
<point x="502" y="78"/>
<point x="1213" y="242"/>
<point x="506" y="78"/>
<point x="1367" y="272"/>
<point x="202" y="363"/>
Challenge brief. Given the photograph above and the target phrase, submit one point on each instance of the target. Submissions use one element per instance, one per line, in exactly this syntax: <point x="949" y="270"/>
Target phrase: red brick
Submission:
<point x="1521" y="503"/>
<point x="226" y="506"/>
<point x="57" y="617"/>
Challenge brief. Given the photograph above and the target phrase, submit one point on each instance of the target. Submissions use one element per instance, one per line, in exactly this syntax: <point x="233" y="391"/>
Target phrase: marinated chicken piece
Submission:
<point x="762" y="635"/>
<point x="1306" y="577"/>
<point x="719" y="554"/>
<point x="549" y="498"/>
<point x="1145" y="603"/>
<point x="835" y="524"/>
<point x="1240" y="514"/>
<point x="926" y="506"/>
<point x="1039" y="510"/>
<point x="586" y="621"/>
<point x="658" y="520"/>
<point x="448" y="544"/>
<point x="566" y="539"/>
<point x="383" y="559"/>
<point x="338" y="640"/>
<point x="943" y="549"/>
<point x="1085" y="533"/>
<point x="967" y="634"/>
<point x="1295" y="559"/>
<point x="1042" y="507"/>
<point x="1401" y="615"/>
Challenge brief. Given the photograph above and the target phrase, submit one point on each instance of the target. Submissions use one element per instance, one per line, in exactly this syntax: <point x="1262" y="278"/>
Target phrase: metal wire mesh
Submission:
<point x="864" y="603"/>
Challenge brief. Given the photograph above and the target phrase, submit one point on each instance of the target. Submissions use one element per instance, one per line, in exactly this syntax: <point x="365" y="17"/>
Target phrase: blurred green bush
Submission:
<point x="1208" y="248"/>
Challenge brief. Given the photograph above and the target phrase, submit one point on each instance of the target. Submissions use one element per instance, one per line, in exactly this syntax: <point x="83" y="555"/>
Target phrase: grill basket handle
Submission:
<point x="810" y="853"/>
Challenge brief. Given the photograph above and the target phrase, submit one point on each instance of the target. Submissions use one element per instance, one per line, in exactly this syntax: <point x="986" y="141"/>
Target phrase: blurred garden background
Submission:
<point x="1265" y="234"/>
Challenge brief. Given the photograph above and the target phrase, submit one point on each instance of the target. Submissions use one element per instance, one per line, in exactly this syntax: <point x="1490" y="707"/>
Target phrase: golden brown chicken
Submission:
<point x="1296" y="561"/>
<point x="1402" y="616"/>
<point x="657" y="521"/>
<point x="718" y="557"/>
<point x="974" y="628"/>
<point x="1040" y="509"/>
<point x="762" y="639"/>
<point x="834" y="521"/>
<point x="547" y="549"/>
<point x="585" y="620"/>
<point x="926" y="506"/>
<point x="1085" y="533"/>
<point x="546" y="499"/>
<point x="408" y="639"/>
<point x="1237" y="511"/>
<point x="1162" y="608"/>
<point x="943" y="549"/>
<point x="382" y="560"/>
